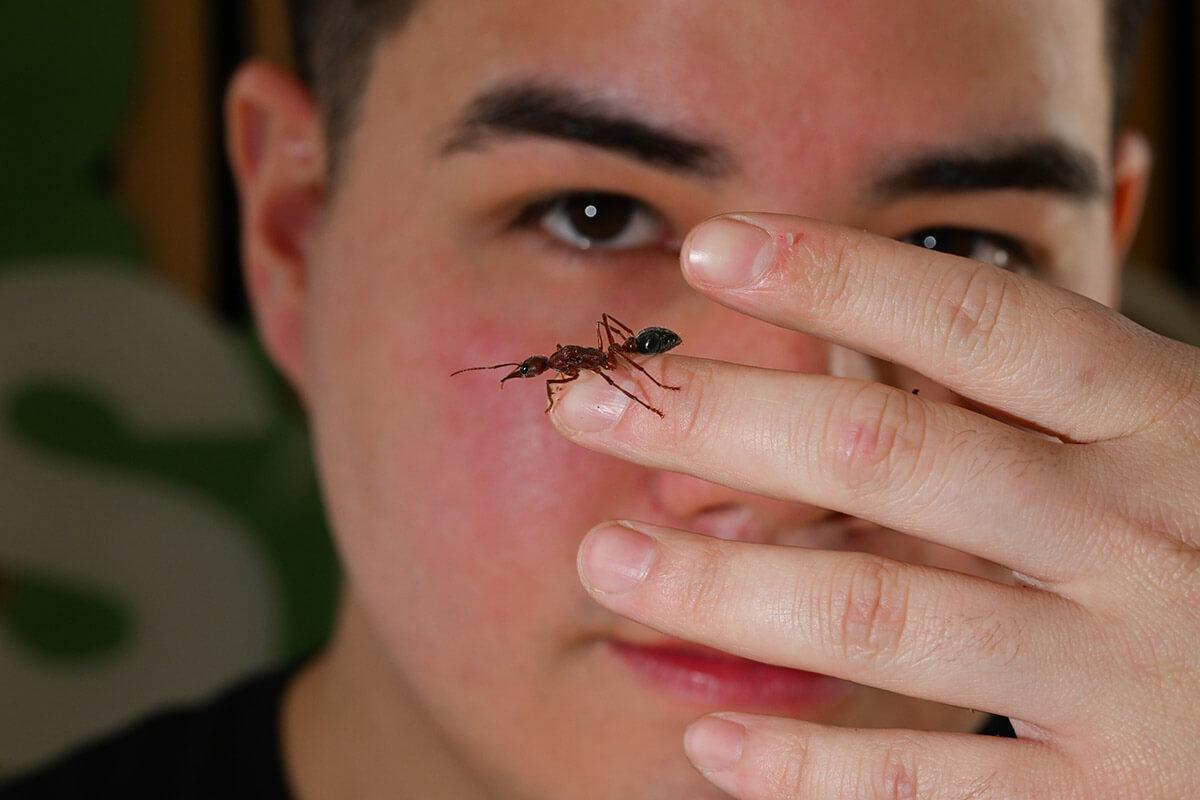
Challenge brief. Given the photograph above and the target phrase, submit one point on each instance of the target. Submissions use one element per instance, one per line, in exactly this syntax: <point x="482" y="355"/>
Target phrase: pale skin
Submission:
<point x="1020" y="538"/>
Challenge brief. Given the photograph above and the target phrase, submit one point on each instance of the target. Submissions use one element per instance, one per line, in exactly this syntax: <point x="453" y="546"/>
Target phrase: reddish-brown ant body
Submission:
<point x="569" y="359"/>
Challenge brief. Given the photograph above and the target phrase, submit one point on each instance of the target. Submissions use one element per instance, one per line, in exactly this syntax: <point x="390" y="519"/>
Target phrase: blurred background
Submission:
<point x="160" y="530"/>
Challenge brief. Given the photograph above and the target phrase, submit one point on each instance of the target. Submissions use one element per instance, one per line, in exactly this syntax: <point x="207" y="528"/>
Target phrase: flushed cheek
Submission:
<point x="457" y="505"/>
<point x="498" y="440"/>
<point x="491" y="559"/>
<point x="496" y="483"/>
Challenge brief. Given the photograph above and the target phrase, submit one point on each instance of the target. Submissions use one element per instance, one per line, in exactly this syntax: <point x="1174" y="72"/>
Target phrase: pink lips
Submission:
<point x="728" y="682"/>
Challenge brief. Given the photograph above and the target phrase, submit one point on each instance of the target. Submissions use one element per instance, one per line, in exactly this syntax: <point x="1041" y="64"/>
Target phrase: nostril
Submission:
<point x="727" y="521"/>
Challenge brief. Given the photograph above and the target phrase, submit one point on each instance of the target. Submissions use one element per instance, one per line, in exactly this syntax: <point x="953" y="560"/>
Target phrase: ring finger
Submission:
<point x="917" y="630"/>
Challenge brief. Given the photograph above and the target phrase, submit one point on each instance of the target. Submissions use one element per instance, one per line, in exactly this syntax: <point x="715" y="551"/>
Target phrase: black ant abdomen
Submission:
<point x="653" y="341"/>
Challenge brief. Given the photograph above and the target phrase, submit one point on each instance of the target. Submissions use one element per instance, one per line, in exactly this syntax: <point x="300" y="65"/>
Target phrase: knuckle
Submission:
<point x="786" y="765"/>
<point x="1175" y="407"/>
<point x="896" y="775"/>
<point x="1172" y="563"/>
<point x="825" y="281"/>
<point x="703" y="580"/>
<point x="974" y="312"/>
<point x="692" y="413"/>
<point x="866" y="608"/>
<point x="875" y="439"/>
<point x="987" y="786"/>
<point x="1158" y="663"/>
<point x="992" y="638"/>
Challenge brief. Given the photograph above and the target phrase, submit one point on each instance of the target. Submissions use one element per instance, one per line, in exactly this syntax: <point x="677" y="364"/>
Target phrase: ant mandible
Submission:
<point x="569" y="359"/>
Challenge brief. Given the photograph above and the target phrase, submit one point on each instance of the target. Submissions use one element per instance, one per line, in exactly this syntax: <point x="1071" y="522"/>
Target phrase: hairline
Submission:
<point x="340" y="90"/>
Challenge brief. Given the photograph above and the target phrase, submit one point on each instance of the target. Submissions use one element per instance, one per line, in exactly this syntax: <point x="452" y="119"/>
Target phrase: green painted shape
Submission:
<point x="68" y="67"/>
<point x="63" y="620"/>
<point x="267" y="482"/>
<point x="68" y="70"/>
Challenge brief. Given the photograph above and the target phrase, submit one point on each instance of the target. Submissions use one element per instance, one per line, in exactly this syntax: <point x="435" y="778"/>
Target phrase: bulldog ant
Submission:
<point x="569" y="359"/>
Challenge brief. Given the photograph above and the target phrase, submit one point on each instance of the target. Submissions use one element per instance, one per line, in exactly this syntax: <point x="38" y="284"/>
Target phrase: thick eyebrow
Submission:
<point x="1046" y="164"/>
<point x="535" y="109"/>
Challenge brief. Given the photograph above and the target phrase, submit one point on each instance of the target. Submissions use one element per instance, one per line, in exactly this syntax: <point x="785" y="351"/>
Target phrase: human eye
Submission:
<point x="585" y="220"/>
<point x="989" y="247"/>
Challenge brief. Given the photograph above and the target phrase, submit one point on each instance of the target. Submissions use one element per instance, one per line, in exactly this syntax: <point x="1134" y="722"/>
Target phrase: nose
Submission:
<point x="694" y="504"/>
<point x="711" y="330"/>
<point x="700" y="506"/>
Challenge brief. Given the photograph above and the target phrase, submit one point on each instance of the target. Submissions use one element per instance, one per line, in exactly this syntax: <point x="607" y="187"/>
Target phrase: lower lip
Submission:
<point x="735" y="684"/>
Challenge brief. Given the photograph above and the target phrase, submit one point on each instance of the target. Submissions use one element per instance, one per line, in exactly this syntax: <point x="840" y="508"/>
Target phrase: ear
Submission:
<point x="277" y="152"/>
<point x="1132" y="160"/>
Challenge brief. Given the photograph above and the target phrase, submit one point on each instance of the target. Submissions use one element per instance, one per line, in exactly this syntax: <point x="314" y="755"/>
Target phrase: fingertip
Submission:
<point x="727" y="253"/>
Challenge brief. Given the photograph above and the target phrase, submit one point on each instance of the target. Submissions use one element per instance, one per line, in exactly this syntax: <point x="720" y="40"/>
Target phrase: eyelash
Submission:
<point x="540" y="214"/>
<point x="1008" y="252"/>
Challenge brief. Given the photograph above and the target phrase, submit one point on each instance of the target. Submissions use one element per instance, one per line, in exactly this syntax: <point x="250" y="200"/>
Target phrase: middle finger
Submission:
<point x="941" y="472"/>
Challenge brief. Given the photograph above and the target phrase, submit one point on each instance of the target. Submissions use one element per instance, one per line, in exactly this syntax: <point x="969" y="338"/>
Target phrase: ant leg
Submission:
<point x="621" y="389"/>
<point x="550" y="396"/>
<point x="628" y="329"/>
<point x="599" y="338"/>
<point x="607" y="329"/>
<point x="643" y="369"/>
<point x="612" y="342"/>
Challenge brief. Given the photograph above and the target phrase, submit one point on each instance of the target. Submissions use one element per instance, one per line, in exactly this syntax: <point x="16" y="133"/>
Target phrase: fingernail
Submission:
<point x="591" y="405"/>
<point x="714" y="744"/>
<point x="615" y="558"/>
<point x="729" y="253"/>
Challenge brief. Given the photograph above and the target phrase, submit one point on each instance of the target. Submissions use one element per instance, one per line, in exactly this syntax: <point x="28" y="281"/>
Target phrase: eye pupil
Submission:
<point x="599" y="217"/>
<point x="979" y="245"/>
<point x="596" y="220"/>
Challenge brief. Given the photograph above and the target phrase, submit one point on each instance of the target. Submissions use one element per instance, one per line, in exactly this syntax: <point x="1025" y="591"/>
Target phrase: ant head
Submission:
<point x="529" y="368"/>
<point x="652" y="341"/>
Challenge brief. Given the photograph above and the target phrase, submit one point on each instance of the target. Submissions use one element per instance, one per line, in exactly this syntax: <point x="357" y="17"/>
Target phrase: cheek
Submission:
<point x="467" y="501"/>
<point x="1090" y="265"/>
<point x="514" y="482"/>
<point x="454" y="502"/>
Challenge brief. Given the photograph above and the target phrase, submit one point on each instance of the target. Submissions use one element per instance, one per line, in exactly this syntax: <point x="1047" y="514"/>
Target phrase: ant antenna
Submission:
<point x="497" y="366"/>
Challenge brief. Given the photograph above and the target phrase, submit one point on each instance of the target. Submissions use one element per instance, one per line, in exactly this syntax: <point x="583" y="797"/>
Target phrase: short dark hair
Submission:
<point x="334" y="41"/>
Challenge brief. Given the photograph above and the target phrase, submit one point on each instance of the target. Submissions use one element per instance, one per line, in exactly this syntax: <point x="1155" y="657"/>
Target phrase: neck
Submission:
<point x="352" y="731"/>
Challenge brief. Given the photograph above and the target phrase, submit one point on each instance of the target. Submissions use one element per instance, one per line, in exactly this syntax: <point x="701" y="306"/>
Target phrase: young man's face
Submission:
<point x="457" y="508"/>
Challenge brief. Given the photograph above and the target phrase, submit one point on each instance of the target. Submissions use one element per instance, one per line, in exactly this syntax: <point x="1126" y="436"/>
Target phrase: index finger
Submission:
<point x="1039" y="352"/>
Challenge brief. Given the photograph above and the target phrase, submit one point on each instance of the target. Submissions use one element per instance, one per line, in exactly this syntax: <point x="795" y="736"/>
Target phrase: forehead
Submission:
<point x="828" y="81"/>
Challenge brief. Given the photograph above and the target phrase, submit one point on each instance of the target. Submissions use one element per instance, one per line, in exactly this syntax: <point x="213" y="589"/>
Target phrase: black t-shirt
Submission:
<point x="226" y="748"/>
